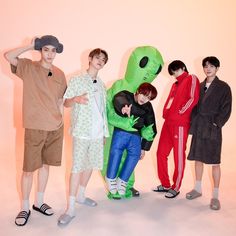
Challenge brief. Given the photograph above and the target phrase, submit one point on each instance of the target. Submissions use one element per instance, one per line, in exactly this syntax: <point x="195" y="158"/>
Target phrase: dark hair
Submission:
<point x="176" y="65"/>
<point x="146" y="89"/>
<point x="98" y="51"/>
<point x="211" y="60"/>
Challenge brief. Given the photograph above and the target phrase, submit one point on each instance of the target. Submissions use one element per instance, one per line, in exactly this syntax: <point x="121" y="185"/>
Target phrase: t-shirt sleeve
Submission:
<point x="22" y="67"/>
<point x="72" y="88"/>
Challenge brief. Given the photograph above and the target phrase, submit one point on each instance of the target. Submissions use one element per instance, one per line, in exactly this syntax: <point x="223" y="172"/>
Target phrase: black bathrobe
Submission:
<point x="208" y="117"/>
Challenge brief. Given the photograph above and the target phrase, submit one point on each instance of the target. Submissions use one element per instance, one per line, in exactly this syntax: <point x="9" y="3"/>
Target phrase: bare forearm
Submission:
<point x="69" y="102"/>
<point x="82" y="99"/>
<point x="11" y="56"/>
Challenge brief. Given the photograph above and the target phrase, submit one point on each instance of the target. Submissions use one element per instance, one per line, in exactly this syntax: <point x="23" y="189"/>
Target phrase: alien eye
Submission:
<point x="143" y="62"/>
<point x="159" y="70"/>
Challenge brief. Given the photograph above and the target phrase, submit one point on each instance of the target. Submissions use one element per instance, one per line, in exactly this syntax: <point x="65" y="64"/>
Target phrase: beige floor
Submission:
<point x="151" y="214"/>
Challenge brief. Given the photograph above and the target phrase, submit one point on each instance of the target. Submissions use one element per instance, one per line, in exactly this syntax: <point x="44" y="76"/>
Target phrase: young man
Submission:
<point x="44" y="85"/>
<point x="208" y="118"/>
<point x="130" y="104"/>
<point x="86" y="94"/>
<point x="183" y="96"/>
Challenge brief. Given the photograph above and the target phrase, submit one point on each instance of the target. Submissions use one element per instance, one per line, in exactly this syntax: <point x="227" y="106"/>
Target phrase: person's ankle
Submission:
<point x="70" y="212"/>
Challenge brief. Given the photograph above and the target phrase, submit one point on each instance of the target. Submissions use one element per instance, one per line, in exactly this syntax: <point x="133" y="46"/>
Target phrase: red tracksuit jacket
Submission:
<point x="184" y="95"/>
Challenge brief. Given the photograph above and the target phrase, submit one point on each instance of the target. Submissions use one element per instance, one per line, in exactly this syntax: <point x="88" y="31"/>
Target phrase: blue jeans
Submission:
<point x="121" y="141"/>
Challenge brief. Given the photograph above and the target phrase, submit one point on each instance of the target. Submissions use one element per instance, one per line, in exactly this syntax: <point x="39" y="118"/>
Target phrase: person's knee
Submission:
<point x="199" y="163"/>
<point x="45" y="167"/>
<point x="27" y="174"/>
<point x="216" y="167"/>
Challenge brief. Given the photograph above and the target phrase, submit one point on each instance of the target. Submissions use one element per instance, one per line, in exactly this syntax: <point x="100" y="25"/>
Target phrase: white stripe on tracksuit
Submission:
<point x="192" y="91"/>
<point x="180" y="157"/>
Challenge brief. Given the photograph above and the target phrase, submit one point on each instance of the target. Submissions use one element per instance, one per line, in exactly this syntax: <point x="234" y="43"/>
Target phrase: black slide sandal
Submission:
<point x="22" y="215"/>
<point x="43" y="209"/>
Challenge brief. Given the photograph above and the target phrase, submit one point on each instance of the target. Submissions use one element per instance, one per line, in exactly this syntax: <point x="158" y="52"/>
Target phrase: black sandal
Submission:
<point x="43" y="209"/>
<point x="161" y="189"/>
<point x="172" y="193"/>
<point x="135" y="193"/>
<point x="22" y="215"/>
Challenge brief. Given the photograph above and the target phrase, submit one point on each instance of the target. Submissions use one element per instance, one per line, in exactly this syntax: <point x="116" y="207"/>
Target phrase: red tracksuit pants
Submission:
<point x="172" y="136"/>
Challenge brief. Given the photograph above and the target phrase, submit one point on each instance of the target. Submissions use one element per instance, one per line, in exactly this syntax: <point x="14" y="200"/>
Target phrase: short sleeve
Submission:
<point x="72" y="88"/>
<point x="22" y="67"/>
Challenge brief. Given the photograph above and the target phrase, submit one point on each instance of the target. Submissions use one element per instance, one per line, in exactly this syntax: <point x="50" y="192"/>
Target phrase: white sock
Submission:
<point x="71" y="206"/>
<point x="39" y="199"/>
<point x="215" y="193"/>
<point x="198" y="186"/>
<point x="25" y="205"/>
<point x="81" y="195"/>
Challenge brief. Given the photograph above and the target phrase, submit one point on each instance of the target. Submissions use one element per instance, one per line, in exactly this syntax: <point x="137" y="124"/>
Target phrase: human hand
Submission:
<point x="126" y="110"/>
<point x="104" y="140"/>
<point x="33" y="42"/>
<point x="82" y="99"/>
<point x="142" y="154"/>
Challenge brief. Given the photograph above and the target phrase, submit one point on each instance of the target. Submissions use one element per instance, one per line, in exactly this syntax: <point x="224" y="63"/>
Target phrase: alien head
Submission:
<point x="144" y="64"/>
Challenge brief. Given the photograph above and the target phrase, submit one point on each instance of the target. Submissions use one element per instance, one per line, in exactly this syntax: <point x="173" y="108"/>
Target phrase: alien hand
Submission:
<point x="147" y="132"/>
<point x="133" y="121"/>
<point x="128" y="123"/>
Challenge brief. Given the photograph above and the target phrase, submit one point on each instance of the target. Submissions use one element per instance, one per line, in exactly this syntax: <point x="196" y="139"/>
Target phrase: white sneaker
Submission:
<point x="121" y="186"/>
<point x="111" y="184"/>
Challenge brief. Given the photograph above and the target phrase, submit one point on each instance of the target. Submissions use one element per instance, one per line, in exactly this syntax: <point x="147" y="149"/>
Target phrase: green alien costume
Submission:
<point x="144" y="64"/>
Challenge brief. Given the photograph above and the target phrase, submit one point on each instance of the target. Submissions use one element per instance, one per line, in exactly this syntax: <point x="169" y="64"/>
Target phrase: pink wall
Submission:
<point x="186" y="30"/>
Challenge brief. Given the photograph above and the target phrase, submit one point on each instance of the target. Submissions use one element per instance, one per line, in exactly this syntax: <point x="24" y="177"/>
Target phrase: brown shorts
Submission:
<point x="42" y="147"/>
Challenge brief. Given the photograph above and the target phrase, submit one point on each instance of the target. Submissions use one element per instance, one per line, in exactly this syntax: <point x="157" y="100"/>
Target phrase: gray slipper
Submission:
<point x="193" y="194"/>
<point x="215" y="204"/>
<point x="88" y="202"/>
<point x="64" y="219"/>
